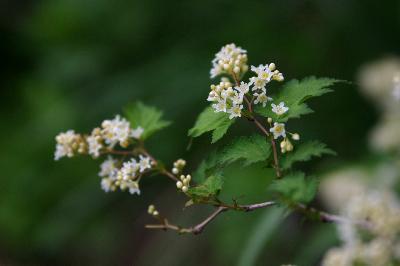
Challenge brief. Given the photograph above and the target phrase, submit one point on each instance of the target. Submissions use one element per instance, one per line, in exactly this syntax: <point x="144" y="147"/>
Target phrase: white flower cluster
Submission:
<point x="127" y="177"/>
<point x="380" y="81"/>
<point x="228" y="99"/>
<point x="355" y="200"/>
<point x="68" y="144"/>
<point x="230" y="59"/>
<point x="111" y="133"/>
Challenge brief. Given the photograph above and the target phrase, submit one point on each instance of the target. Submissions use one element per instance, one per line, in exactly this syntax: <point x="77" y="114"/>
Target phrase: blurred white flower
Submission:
<point x="116" y="131"/>
<point x="108" y="168"/>
<point x="137" y="133"/>
<point x="67" y="144"/>
<point x="144" y="163"/>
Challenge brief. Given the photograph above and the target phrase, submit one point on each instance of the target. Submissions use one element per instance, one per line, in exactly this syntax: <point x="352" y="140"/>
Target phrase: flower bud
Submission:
<point x="289" y="147"/>
<point x="283" y="144"/>
<point x="185" y="189"/>
<point x="179" y="184"/>
<point x="151" y="209"/>
<point x="175" y="171"/>
<point x="295" y="136"/>
<point x="272" y="66"/>
<point x="269" y="119"/>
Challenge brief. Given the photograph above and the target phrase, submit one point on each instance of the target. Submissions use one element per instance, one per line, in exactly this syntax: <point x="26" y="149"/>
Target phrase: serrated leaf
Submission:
<point x="304" y="152"/>
<point x="294" y="93"/>
<point x="207" y="121"/>
<point x="296" y="187"/>
<point x="147" y="117"/>
<point x="249" y="149"/>
<point x="209" y="188"/>
<point x="203" y="170"/>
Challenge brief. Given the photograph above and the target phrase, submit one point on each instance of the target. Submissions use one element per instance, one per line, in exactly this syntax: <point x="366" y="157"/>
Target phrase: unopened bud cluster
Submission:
<point x="231" y="60"/>
<point x="178" y="166"/>
<point x="111" y="133"/>
<point x="69" y="144"/>
<point x="153" y="211"/>
<point x="184" y="183"/>
<point x="286" y="145"/>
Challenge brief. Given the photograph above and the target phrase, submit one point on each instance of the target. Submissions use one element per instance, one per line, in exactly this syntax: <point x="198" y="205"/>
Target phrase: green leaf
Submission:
<point x="206" y="166"/>
<point x="296" y="187"/>
<point x="147" y="117"/>
<point x="250" y="150"/>
<point x="304" y="152"/>
<point x="294" y="93"/>
<point x="209" y="188"/>
<point x="207" y="121"/>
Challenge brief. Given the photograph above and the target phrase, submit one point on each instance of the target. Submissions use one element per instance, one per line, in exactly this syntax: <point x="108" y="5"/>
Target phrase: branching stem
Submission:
<point x="262" y="128"/>
<point x="199" y="228"/>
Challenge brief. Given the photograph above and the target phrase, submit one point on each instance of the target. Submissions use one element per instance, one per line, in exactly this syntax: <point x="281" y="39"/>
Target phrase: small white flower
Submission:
<point x="144" y="163"/>
<point x="134" y="188"/>
<point x="116" y="131"/>
<point x="259" y="83"/>
<point x="235" y="111"/>
<point x="279" y="109"/>
<point x="95" y="145"/>
<point x="243" y="88"/>
<point x="107" y="184"/>
<point x="263" y="72"/>
<point x="129" y="170"/>
<point x="236" y="98"/>
<point x="262" y="98"/>
<point x="258" y="69"/>
<point x="137" y="133"/>
<point x="212" y="96"/>
<point x="220" y="106"/>
<point x="108" y="167"/>
<point x="227" y="93"/>
<point x="278" y="130"/>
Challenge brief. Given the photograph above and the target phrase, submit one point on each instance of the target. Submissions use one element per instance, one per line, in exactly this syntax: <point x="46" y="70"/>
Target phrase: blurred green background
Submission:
<point x="72" y="63"/>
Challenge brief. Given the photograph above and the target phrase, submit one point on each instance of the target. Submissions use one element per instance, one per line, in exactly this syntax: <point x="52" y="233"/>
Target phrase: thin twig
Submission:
<point x="199" y="228"/>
